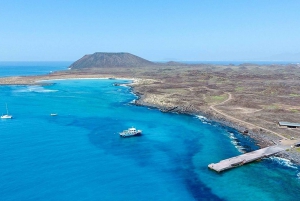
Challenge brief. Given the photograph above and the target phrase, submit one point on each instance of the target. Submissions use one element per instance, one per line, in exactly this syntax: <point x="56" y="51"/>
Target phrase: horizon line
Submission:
<point x="168" y="61"/>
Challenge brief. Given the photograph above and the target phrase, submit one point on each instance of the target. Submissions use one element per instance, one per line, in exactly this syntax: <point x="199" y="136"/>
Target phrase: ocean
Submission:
<point x="31" y="68"/>
<point x="78" y="154"/>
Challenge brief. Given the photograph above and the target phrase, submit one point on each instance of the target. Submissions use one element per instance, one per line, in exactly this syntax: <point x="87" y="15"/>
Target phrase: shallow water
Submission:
<point x="78" y="154"/>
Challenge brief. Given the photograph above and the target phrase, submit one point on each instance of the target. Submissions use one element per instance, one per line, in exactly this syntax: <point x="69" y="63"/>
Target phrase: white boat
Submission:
<point x="130" y="132"/>
<point x="6" y="116"/>
<point x="53" y="114"/>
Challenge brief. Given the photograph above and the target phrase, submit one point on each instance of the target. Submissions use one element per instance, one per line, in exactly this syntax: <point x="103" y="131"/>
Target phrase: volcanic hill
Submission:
<point x="103" y="60"/>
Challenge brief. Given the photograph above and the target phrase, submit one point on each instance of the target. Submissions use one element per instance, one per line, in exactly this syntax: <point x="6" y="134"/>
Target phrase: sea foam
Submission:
<point x="203" y="119"/>
<point x="284" y="162"/>
<point x="236" y="143"/>
<point x="37" y="89"/>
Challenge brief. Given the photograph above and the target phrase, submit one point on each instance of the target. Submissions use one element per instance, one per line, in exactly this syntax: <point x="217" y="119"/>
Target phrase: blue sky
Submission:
<point x="187" y="30"/>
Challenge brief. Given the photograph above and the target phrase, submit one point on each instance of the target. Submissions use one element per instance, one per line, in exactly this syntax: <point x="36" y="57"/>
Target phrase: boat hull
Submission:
<point x="130" y="135"/>
<point x="6" y="117"/>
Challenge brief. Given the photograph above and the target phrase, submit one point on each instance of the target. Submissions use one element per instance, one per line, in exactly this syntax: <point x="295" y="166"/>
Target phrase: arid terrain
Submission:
<point x="249" y="97"/>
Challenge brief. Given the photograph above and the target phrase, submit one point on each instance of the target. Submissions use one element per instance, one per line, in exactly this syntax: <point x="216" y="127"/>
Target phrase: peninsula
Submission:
<point x="249" y="97"/>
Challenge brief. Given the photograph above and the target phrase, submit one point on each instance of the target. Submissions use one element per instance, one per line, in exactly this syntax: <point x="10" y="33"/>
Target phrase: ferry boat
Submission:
<point x="130" y="132"/>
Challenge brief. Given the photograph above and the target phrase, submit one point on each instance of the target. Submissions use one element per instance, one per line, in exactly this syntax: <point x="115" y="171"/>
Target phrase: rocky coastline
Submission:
<point x="261" y="138"/>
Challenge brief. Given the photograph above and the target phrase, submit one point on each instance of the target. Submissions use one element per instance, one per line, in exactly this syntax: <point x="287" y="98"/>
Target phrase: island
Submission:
<point x="252" y="98"/>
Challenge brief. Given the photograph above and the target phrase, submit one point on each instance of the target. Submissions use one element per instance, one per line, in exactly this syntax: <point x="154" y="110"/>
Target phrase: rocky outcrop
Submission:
<point x="104" y="60"/>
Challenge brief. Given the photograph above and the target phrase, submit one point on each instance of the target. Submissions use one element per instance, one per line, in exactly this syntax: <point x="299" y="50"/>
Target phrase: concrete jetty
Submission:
<point x="245" y="158"/>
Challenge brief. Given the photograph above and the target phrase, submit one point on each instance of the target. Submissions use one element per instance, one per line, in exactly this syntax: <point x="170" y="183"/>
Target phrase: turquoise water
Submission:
<point x="78" y="155"/>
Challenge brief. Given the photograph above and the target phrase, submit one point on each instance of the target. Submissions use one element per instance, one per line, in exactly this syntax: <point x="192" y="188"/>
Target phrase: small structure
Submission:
<point x="285" y="124"/>
<point x="245" y="158"/>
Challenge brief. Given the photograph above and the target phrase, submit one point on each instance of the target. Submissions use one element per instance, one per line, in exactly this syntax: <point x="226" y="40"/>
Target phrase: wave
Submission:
<point x="124" y="85"/>
<point x="235" y="142"/>
<point x="284" y="162"/>
<point x="231" y="136"/>
<point x="240" y="148"/>
<point x="133" y="101"/>
<point x="201" y="117"/>
<point x="37" y="89"/>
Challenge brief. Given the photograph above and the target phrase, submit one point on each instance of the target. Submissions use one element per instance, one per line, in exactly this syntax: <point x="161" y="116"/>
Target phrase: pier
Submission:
<point x="245" y="158"/>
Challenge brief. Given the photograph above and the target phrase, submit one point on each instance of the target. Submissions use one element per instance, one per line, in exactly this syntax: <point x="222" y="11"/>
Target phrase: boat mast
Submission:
<point x="6" y="109"/>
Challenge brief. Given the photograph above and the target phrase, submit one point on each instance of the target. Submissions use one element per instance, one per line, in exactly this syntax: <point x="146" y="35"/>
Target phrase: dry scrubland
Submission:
<point x="262" y="95"/>
<point x="257" y="96"/>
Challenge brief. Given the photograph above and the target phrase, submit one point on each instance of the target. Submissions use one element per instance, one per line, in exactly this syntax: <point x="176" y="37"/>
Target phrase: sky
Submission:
<point x="190" y="30"/>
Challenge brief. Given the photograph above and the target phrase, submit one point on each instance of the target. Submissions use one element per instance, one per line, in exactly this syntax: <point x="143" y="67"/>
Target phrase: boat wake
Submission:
<point x="37" y="89"/>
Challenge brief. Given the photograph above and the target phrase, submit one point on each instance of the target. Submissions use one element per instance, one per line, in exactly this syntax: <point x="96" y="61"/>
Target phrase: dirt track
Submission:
<point x="252" y="126"/>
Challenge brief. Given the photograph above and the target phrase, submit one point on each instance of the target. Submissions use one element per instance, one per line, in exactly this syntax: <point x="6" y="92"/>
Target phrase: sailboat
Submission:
<point x="6" y="116"/>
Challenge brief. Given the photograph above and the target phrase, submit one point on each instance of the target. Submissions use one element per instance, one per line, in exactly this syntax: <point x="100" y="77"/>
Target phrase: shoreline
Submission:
<point x="259" y="140"/>
<point x="109" y="78"/>
<point x="260" y="137"/>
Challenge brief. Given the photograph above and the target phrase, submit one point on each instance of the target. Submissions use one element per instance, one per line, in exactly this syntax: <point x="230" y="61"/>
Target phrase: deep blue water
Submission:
<point x="31" y="68"/>
<point x="78" y="155"/>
